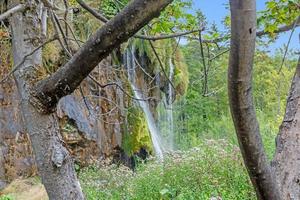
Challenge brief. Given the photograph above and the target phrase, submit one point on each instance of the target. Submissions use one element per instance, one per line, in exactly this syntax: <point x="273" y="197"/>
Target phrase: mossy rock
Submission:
<point x="136" y="134"/>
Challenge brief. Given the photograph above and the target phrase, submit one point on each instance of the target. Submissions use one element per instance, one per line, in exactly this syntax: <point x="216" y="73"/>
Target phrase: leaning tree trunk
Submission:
<point x="54" y="163"/>
<point x="287" y="157"/>
<point x="119" y="29"/>
<point x="243" y="34"/>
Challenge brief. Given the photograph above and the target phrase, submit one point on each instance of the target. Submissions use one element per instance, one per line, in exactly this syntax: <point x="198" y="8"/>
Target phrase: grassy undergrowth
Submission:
<point x="213" y="169"/>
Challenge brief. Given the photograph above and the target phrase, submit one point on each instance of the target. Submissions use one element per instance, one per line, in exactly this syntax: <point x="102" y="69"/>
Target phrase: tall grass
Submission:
<point x="213" y="169"/>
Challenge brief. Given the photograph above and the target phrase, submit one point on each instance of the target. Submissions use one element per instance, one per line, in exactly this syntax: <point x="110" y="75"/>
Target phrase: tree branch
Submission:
<point x="51" y="5"/>
<point x="103" y="19"/>
<point x="46" y="93"/>
<point x="219" y="54"/>
<point x="162" y="37"/>
<point x="118" y="86"/>
<point x="17" y="8"/>
<point x="288" y="44"/>
<point x="16" y="67"/>
<point x="261" y="33"/>
<point x="281" y="29"/>
<point x="162" y="66"/>
<point x="96" y="14"/>
<point x="205" y="86"/>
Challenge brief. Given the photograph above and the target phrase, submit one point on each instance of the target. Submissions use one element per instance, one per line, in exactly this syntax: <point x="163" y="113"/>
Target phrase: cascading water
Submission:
<point x="131" y="69"/>
<point x="165" y="111"/>
<point x="169" y="107"/>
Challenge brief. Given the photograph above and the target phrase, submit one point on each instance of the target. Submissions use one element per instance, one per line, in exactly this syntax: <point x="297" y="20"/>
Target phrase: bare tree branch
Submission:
<point x="162" y="66"/>
<point x="57" y="31"/>
<point x="216" y="40"/>
<point x="118" y="86"/>
<point x="219" y="54"/>
<point x="205" y="86"/>
<point x="96" y="14"/>
<point x="16" y="67"/>
<point x="17" y="8"/>
<point x="261" y="33"/>
<point x="163" y="37"/>
<point x="50" y="5"/>
<point x="60" y="29"/>
<point x="288" y="44"/>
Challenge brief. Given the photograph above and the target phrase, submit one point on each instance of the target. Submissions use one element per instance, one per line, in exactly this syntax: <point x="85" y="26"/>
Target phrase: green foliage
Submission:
<point x="206" y="116"/>
<point x="175" y="17"/>
<point x="209" y="117"/>
<point x="111" y="8"/>
<point x="6" y="197"/>
<point x="181" y="74"/>
<point x="136" y="134"/>
<point x="213" y="169"/>
<point x="278" y="12"/>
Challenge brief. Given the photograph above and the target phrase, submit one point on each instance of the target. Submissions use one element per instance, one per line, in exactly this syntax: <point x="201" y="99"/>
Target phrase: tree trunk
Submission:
<point x="243" y="34"/>
<point x="54" y="163"/>
<point x="287" y="157"/>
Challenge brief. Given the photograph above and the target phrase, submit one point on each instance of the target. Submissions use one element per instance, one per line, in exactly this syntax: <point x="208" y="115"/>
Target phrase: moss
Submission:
<point x="181" y="75"/>
<point x="137" y="135"/>
<point x="166" y="50"/>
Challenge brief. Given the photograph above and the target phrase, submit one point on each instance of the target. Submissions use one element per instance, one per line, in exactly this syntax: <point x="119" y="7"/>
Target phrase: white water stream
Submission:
<point x="169" y="108"/>
<point x="155" y="135"/>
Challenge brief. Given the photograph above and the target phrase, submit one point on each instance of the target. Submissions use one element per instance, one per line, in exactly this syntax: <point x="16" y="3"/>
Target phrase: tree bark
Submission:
<point x="287" y="157"/>
<point x="243" y="34"/>
<point x="132" y="18"/>
<point x="54" y="163"/>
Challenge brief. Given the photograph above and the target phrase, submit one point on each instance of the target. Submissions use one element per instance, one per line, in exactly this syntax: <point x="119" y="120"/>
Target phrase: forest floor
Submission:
<point x="213" y="170"/>
<point x="24" y="189"/>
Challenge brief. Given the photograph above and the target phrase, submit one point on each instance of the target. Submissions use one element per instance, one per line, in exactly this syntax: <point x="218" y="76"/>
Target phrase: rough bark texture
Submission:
<point x="132" y="18"/>
<point x="287" y="156"/>
<point x="53" y="161"/>
<point x="243" y="33"/>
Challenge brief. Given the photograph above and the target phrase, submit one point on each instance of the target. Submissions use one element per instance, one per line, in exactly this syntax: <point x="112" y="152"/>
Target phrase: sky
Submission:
<point x="215" y="10"/>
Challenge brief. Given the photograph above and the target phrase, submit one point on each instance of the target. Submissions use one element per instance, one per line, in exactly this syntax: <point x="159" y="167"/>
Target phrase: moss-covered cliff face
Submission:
<point x="136" y="133"/>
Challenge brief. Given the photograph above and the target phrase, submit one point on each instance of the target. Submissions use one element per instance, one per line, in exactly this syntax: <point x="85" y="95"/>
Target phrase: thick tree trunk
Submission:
<point x="131" y="19"/>
<point x="53" y="160"/>
<point x="287" y="156"/>
<point x="243" y="34"/>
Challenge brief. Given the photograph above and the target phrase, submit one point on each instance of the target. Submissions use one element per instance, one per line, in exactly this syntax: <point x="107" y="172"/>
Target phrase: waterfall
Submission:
<point x="165" y="110"/>
<point x="169" y="107"/>
<point x="131" y="69"/>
